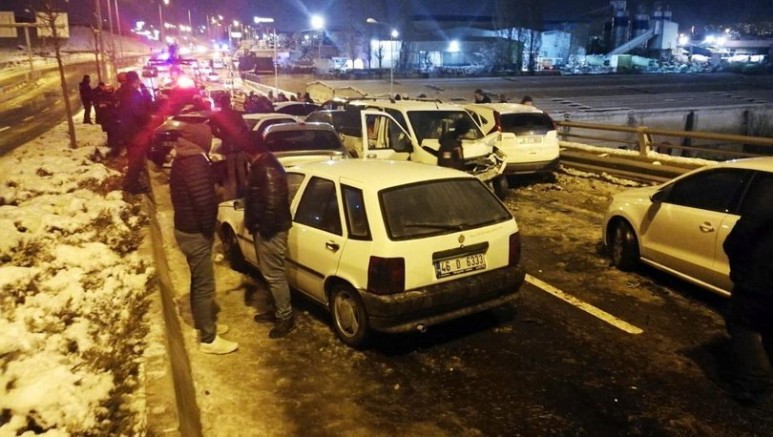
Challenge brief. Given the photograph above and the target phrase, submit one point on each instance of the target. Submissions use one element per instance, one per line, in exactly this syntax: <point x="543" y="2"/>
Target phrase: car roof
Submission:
<point x="504" y="108"/>
<point x="408" y="105"/>
<point x="265" y="115"/>
<point x="368" y="171"/>
<point x="279" y="105"/>
<point x="300" y="126"/>
<point x="763" y="163"/>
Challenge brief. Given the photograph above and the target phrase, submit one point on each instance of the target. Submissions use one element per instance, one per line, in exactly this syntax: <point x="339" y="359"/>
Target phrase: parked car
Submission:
<point x="258" y="122"/>
<point x="527" y="135"/>
<point x="390" y="246"/>
<point x="300" y="143"/>
<point x="679" y="226"/>
<point x="299" y="109"/>
<point x="165" y="136"/>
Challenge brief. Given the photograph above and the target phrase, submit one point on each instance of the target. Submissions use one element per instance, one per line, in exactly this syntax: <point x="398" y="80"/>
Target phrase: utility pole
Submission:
<point x="112" y="38"/>
<point x="100" y="45"/>
<point x="118" y="23"/>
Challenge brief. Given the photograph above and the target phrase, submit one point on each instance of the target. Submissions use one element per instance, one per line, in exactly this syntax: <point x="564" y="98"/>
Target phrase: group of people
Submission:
<point x="482" y="97"/>
<point x="125" y="114"/>
<point x="266" y="215"/>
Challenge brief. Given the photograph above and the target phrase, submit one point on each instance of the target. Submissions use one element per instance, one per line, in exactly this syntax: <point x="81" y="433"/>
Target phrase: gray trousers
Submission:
<point x="198" y="251"/>
<point x="271" y="260"/>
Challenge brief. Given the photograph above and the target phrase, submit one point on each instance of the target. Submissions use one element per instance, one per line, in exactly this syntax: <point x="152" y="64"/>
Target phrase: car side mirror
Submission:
<point x="658" y="196"/>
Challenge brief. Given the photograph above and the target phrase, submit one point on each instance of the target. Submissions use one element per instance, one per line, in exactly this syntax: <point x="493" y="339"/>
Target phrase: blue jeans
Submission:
<point x="271" y="260"/>
<point x="198" y="251"/>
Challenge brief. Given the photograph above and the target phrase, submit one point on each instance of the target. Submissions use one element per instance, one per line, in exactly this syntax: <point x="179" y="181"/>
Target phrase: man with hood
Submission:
<point x="192" y="186"/>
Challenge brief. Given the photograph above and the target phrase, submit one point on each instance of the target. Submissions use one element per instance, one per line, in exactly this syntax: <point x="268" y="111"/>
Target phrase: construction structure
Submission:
<point x="656" y="35"/>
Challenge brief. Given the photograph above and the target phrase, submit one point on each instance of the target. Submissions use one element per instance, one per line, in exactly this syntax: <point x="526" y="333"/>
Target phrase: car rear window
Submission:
<point x="526" y="123"/>
<point x="439" y="207"/>
<point x="287" y="141"/>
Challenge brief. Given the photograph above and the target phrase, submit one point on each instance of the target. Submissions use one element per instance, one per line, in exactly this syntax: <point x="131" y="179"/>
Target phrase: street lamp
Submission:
<point x="259" y="20"/>
<point x="161" y="20"/>
<point x="318" y="23"/>
<point x="392" y="35"/>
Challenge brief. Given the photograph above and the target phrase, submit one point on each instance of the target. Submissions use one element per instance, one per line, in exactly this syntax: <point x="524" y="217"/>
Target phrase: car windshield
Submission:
<point x="432" y="124"/>
<point x="525" y="123"/>
<point x="293" y="140"/>
<point x="439" y="207"/>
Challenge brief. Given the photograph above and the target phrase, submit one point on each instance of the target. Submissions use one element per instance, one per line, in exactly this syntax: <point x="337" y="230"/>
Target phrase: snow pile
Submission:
<point x="73" y="290"/>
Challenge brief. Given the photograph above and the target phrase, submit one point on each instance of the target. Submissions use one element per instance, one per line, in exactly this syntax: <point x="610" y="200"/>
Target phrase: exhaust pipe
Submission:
<point x="421" y="328"/>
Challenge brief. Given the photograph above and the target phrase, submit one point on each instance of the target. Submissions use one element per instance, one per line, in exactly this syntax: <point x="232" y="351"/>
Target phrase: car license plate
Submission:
<point x="532" y="139"/>
<point x="462" y="264"/>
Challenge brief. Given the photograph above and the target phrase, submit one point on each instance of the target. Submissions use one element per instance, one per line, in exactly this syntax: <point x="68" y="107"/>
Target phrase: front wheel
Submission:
<point x="350" y="320"/>
<point x="232" y="250"/>
<point x="624" y="247"/>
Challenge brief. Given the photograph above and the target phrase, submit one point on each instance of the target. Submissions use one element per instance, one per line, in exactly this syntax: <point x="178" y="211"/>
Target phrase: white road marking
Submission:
<point x="588" y="308"/>
<point x="28" y="118"/>
<point x="4" y="128"/>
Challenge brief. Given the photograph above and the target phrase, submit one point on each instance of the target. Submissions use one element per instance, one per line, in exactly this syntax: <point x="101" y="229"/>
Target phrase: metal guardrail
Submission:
<point x="642" y="139"/>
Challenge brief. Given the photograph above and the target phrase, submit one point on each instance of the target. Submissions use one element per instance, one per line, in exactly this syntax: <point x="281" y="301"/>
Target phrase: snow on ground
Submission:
<point x="72" y="291"/>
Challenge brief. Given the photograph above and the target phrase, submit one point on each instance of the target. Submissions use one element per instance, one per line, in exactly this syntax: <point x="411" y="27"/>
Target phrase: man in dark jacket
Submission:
<point x="267" y="216"/>
<point x="749" y="249"/>
<point x="229" y="125"/>
<point x="451" y="153"/>
<point x="481" y="97"/>
<point x="135" y="126"/>
<point x="195" y="212"/>
<point x="85" y="93"/>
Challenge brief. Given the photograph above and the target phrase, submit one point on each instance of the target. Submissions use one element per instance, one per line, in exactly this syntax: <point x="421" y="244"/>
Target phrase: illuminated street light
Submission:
<point x="392" y="36"/>
<point x="161" y="19"/>
<point x="318" y="23"/>
<point x="259" y="20"/>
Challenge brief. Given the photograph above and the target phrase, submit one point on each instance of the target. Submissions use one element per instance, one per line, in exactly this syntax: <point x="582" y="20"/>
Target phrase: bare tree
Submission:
<point x="48" y="14"/>
<point x="521" y="21"/>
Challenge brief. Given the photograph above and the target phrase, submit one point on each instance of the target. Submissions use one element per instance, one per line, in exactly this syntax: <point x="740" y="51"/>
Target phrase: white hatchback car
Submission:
<point x="680" y="226"/>
<point x="388" y="246"/>
<point x="527" y="135"/>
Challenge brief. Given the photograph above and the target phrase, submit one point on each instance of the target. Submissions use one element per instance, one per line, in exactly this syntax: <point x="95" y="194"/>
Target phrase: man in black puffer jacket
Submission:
<point x="267" y="216"/>
<point x="192" y="186"/>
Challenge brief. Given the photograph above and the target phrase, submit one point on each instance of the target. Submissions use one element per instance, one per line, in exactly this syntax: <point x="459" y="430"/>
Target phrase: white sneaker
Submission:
<point x="222" y="329"/>
<point x="219" y="346"/>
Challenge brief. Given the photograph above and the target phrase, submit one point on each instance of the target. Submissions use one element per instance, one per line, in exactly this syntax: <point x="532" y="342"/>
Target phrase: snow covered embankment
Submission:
<point x="73" y="290"/>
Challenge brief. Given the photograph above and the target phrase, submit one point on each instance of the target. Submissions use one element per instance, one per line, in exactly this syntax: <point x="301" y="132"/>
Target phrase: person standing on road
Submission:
<point x="481" y="97"/>
<point x="267" y="216"/>
<point x="86" y="98"/>
<point x="135" y="125"/>
<point x="194" y="201"/>
<point x="527" y="100"/>
<point x="749" y="318"/>
<point x="450" y="153"/>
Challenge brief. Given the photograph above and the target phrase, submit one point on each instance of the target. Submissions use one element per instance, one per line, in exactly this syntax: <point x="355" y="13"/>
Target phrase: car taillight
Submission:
<point x="386" y="275"/>
<point x="515" y="249"/>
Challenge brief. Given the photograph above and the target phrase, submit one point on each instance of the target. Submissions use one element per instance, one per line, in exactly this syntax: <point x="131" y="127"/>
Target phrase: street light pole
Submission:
<point x="392" y="35"/>
<point x="161" y="20"/>
<point x="258" y="20"/>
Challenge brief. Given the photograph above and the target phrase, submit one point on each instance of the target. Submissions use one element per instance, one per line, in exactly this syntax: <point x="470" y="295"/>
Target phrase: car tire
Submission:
<point x="232" y="251"/>
<point x="500" y="186"/>
<point x="624" y="247"/>
<point x="350" y="320"/>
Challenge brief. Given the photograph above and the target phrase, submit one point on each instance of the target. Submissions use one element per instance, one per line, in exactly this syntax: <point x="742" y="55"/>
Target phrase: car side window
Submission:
<point x="294" y="181"/>
<point x="356" y="217"/>
<point x="713" y="190"/>
<point x="319" y="206"/>
<point x="759" y="198"/>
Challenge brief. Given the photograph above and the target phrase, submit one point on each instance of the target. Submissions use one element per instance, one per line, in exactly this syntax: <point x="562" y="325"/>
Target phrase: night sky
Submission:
<point x="294" y="14"/>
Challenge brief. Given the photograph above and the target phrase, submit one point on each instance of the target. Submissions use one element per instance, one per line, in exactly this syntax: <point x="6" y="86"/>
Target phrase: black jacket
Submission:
<point x="85" y="92"/>
<point x="451" y="153"/>
<point x="192" y="186"/>
<point x="266" y="203"/>
<point x="749" y="249"/>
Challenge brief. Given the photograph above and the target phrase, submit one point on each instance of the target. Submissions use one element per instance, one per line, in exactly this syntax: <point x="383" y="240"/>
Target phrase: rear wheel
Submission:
<point x="232" y="251"/>
<point x="350" y="319"/>
<point x="499" y="184"/>
<point x="624" y="247"/>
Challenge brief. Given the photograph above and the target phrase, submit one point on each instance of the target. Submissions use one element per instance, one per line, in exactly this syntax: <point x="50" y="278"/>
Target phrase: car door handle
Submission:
<point x="706" y="227"/>
<point x="332" y="246"/>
